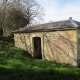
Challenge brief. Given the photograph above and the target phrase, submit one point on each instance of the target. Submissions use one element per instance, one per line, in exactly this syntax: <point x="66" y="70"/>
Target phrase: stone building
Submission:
<point x="58" y="41"/>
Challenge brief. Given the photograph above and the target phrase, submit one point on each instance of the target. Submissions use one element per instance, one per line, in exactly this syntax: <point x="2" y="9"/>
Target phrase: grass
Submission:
<point x="15" y="64"/>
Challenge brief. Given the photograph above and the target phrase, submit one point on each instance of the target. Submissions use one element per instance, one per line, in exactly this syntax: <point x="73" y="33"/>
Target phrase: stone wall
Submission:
<point x="60" y="46"/>
<point x="78" y="49"/>
<point x="25" y="41"/>
<point x="22" y="40"/>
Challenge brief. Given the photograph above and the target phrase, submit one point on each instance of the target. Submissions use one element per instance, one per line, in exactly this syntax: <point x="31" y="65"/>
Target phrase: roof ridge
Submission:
<point x="74" y="23"/>
<point x="63" y="24"/>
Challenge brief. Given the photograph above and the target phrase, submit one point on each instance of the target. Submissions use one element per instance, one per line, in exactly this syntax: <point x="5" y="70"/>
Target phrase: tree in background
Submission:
<point x="15" y="14"/>
<point x="33" y="11"/>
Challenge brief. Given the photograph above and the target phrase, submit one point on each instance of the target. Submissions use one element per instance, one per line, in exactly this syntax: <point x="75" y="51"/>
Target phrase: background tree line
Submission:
<point x="15" y="14"/>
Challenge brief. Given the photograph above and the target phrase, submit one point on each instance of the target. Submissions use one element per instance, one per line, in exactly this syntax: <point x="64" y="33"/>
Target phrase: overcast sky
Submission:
<point x="56" y="10"/>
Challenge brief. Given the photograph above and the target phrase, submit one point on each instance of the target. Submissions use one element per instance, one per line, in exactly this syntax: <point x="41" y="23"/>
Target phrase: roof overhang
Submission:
<point x="49" y="30"/>
<point x="53" y="26"/>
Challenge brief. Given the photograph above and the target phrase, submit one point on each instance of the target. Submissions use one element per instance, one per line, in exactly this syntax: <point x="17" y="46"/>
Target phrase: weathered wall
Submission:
<point x="78" y="44"/>
<point x="25" y="41"/>
<point x="59" y="45"/>
<point x="22" y="40"/>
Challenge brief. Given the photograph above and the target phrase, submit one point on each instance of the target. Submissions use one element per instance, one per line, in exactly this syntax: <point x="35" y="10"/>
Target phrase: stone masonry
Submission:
<point x="60" y="46"/>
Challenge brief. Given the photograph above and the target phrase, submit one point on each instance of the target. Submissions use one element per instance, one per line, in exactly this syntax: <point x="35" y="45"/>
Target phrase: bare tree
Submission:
<point x="15" y="14"/>
<point x="33" y="11"/>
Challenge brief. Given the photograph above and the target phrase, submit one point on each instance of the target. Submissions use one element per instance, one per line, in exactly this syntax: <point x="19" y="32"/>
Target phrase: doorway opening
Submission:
<point x="37" y="48"/>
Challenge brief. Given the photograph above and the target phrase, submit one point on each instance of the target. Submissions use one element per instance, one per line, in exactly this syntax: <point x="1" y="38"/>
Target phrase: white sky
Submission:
<point x="56" y="10"/>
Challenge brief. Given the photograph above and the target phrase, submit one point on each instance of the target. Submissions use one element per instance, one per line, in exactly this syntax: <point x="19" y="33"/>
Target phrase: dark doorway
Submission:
<point x="37" y="47"/>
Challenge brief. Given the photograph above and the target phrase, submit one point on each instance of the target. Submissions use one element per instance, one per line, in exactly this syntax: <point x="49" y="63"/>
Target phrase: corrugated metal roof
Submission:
<point x="51" y="26"/>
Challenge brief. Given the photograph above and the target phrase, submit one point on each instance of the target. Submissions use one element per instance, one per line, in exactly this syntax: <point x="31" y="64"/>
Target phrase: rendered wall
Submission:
<point x="60" y="46"/>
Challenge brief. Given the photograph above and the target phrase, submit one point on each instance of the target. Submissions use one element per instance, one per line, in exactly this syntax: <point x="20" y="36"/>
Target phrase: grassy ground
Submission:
<point x="15" y="64"/>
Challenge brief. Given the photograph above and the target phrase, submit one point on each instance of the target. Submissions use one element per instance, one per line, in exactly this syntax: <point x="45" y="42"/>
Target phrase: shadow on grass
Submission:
<point x="27" y="54"/>
<point x="8" y="39"/>
<point x="26" y="68"/>
<point x="34" y="74"/>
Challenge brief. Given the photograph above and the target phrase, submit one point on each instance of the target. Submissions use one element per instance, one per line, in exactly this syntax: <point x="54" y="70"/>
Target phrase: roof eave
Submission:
<point x="56" y="29"/>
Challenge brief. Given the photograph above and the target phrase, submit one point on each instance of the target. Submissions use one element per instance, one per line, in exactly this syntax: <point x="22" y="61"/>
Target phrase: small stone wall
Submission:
<point x="78" y="49"/>
<point x="22" y="40"/>
<point x="60" y="46"/>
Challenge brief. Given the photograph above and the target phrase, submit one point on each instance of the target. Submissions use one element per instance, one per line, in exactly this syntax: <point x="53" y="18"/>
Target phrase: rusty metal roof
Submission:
<point x="61" y="25"/>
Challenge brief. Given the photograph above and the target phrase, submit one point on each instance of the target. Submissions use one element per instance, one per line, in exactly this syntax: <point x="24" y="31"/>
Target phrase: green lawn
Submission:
<point x="15" y="64"/>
